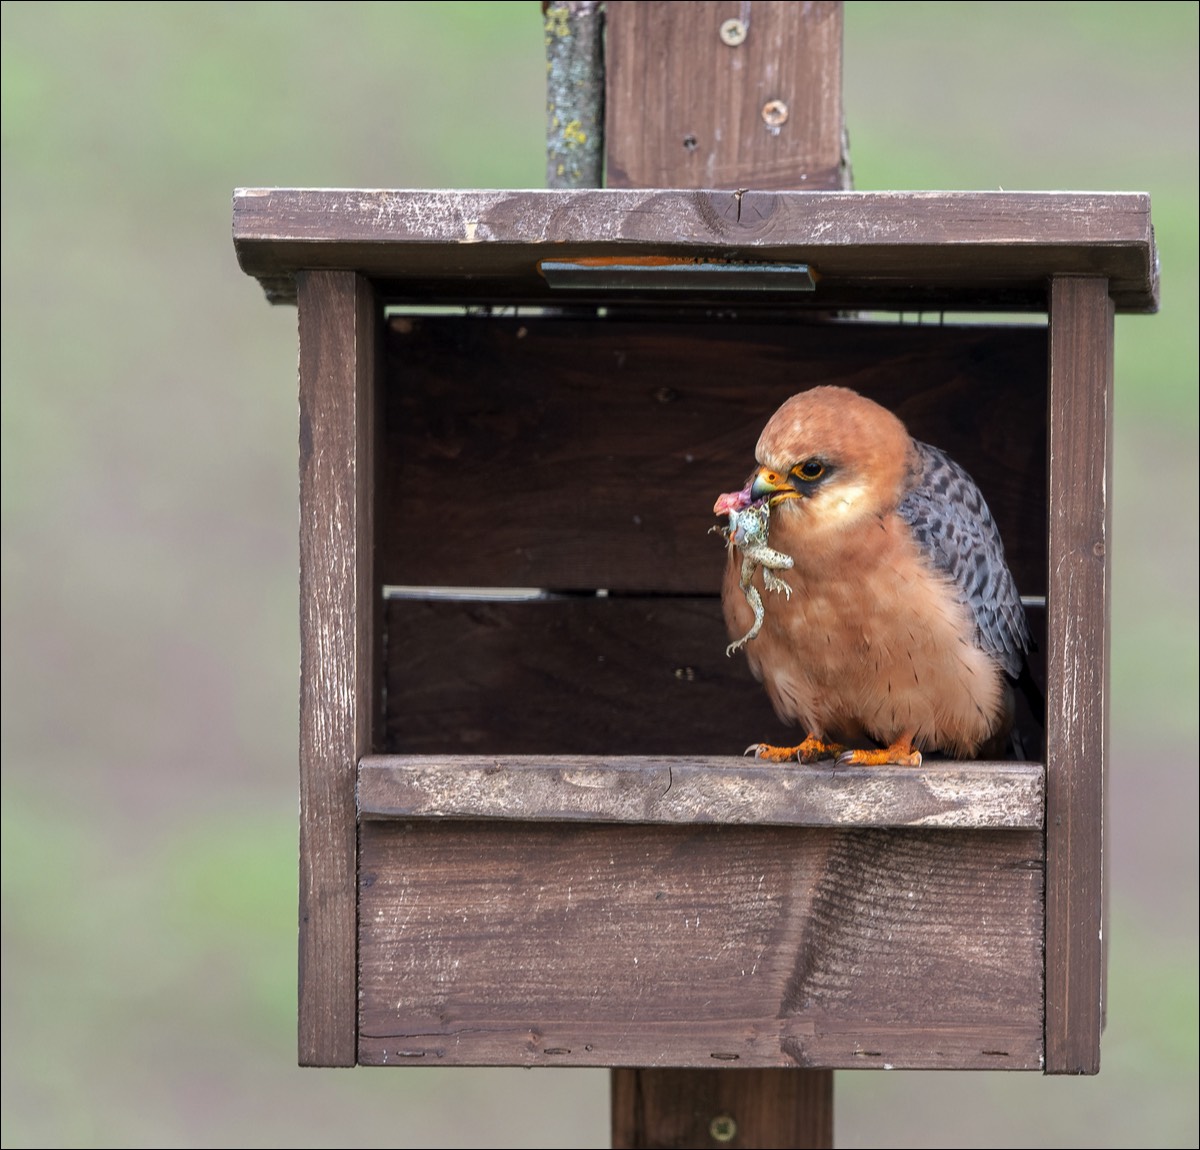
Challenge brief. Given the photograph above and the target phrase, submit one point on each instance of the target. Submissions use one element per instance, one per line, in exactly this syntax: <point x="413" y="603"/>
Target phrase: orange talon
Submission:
<point x="901" y="753"/>
<point x="812" y="750"/>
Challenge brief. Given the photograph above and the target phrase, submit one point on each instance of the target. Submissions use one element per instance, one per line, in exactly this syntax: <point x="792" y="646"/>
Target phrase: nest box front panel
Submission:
<point x="591" y="945"/>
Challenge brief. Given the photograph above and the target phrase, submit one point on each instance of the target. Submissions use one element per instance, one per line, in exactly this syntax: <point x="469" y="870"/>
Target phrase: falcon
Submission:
<point x="901" y="626"/>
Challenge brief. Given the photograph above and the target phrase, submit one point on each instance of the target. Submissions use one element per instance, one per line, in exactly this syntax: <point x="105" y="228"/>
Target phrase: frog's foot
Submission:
<point x="772" y="582"/>
<point x="756" y="604"/>
<point x="901" y="753"/>
<point x="738" y="644"/>
<point x="812" y="750"/>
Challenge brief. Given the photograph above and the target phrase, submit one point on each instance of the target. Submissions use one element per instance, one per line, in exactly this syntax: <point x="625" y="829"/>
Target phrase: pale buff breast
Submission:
<point x="872" y="642"/>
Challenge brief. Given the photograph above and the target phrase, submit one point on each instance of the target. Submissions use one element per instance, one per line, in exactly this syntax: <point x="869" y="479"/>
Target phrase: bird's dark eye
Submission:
<point x="810" y="470"/>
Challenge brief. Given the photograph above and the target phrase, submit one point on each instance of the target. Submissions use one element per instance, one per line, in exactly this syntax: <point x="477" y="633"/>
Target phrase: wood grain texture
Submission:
<point x="612" y="676"/>
<point x="338" y="333"/>
<point x="1081" y="382"/>
<point x="616" y="945"/>
<point x="579" y="455"/>
<point x="707" y="129"/>
<point x="898" y="250"/>
<point x="683" y="1108"/>
<point x="691" y="790"/>
<point x="644" y="675"/>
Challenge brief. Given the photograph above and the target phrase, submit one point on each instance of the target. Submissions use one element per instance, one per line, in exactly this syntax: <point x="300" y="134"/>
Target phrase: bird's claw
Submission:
<point x="812" y="750"/>
<point x="769" y="753"/>
<point x="897" y="755"/>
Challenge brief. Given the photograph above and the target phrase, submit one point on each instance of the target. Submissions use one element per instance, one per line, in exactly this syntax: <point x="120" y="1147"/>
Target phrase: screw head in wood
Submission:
<point x="723" y="1128"/>
<point x="733" y="32"/>
<point x="774" y="113"/>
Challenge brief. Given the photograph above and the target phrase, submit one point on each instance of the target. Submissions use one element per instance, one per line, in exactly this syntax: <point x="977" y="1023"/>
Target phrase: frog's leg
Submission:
<point x="756" y="604"/>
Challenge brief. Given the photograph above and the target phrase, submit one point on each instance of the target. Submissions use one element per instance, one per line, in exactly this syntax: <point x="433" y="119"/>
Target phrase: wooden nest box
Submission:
<point x="528" y="837"/>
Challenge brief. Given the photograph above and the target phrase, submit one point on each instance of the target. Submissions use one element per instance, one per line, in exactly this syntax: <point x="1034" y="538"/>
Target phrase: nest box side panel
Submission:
<point x="1081" y="389"/>
<point x="338" y="345"/>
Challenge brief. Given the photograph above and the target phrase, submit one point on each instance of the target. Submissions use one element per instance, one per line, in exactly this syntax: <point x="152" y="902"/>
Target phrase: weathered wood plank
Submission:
<point x="584" y="675"/>
<point x="903" y="250"/>
<point x="603" y="945"/>
<point x="609" y="441"/>
<point x="771" y="1107"/>
<point x="741" y="94"/>
<point x="1081" y="387"/>
<point x="580" y="788"/>
<point x="577" y="676"/>
<point x="338" y="334"/>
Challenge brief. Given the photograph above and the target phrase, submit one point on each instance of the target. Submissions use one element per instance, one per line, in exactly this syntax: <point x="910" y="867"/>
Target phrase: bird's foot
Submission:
<point x="812" y="750"/>
<point x="900" y="754"/>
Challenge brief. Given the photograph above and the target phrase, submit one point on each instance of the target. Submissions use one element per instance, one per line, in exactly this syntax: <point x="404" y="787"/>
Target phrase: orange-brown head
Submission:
<point x="830" y="458"/>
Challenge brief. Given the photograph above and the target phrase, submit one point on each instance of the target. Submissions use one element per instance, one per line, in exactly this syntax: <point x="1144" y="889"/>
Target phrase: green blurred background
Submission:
<point x="149" y="542"/>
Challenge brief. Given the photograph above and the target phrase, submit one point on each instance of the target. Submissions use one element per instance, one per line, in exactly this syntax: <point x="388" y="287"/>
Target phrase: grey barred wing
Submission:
<point x="951" y="523"/>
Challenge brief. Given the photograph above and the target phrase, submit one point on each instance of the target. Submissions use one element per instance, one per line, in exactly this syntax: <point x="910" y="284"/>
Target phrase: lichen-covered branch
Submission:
<point x="574" y="93"/>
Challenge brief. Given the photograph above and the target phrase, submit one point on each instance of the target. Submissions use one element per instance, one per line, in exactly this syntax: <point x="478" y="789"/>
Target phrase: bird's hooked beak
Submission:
<point x="772" y="486"/>
<point x="764" y="485"/>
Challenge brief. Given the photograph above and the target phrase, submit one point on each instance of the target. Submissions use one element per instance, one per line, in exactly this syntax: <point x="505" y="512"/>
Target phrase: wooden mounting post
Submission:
<point x="718" y="95"/>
